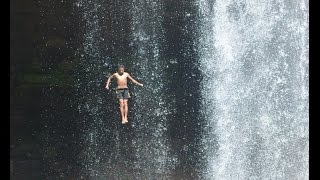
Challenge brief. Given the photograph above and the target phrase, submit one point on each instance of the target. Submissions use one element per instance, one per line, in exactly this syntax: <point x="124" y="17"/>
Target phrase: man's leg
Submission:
<point x="122" y="110"/>
<point x="125" y="104"/>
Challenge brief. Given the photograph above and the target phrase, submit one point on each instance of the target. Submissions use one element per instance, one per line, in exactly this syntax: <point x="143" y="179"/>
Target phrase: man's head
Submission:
<point x="120" y="69"/>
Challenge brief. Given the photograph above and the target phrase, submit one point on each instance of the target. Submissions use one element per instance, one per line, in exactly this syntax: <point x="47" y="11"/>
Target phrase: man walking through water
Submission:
<point x="122" y="90"/>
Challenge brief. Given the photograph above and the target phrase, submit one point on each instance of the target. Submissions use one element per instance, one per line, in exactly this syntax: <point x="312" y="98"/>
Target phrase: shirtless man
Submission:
<point x="122" y="90"/>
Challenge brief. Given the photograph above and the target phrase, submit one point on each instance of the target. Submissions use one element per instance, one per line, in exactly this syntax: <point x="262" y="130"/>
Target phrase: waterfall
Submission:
<point x="128" y="33"/>
<point x="225" y="92"/>
<point x="152" y="151"/>
<point x="97" y="122"/>
<point x="254" y="57"/>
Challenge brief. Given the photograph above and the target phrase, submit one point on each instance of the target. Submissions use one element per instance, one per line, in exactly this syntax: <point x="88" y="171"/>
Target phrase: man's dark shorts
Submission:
<point x="123" y="93"/>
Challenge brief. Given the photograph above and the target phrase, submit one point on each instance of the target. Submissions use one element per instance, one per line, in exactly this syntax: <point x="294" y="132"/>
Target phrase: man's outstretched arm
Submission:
<point x="134" y="81"/>
<point x="108" y="81"/>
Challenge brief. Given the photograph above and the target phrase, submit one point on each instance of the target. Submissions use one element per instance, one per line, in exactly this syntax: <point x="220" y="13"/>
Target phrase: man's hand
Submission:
<point x="107" y="87"/>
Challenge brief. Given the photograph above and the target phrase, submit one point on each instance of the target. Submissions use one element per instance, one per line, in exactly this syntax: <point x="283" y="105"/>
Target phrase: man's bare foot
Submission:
<point x="125" y="121"/>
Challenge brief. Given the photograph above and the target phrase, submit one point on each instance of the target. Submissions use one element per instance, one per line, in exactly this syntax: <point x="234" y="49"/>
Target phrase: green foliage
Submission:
<point x="61" y="75"/>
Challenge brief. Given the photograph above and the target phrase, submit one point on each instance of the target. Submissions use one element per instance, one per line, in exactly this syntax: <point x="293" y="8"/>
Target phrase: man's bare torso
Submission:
<point x="121" y="80"/>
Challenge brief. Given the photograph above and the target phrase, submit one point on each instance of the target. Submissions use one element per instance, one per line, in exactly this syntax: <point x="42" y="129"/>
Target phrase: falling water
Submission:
<point x="128" y="156"/>
<point x="254" y="58"/>
<point x="96" y="125"/>
<point x="151" y="110"/>
<point x="225" y="92"/>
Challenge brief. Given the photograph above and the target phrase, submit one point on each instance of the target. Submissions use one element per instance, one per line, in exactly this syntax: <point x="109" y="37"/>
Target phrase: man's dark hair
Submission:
<point x="121" y="66"/>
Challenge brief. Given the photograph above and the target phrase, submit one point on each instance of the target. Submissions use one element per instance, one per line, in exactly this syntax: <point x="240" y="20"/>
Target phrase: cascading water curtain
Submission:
<point x="255" y="65"/>
<point x="140" y="149"/>
<point x="92" y="71"/>
<point x="150" y="120"/>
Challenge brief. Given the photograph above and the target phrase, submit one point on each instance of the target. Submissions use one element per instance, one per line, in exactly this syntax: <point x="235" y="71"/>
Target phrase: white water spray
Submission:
<point x="255" y="91"/>
<point x="151" y="120"/>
